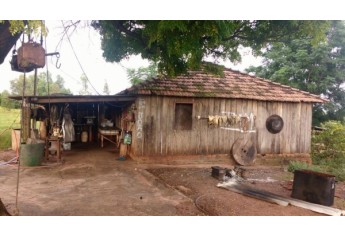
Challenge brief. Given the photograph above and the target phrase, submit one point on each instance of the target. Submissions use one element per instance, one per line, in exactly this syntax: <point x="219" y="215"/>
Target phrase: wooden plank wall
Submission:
<point x="159" y="138"/>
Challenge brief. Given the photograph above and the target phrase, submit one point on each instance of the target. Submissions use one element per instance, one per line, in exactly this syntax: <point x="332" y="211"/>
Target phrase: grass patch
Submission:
<point x="9" y="119"/>
<point x="299" y="165"/>
<point x="328" y="152"/>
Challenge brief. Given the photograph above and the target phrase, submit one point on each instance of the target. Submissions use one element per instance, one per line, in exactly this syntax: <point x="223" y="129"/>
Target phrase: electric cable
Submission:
<point x="10" y="125"/>
<point x="81" y="67"/>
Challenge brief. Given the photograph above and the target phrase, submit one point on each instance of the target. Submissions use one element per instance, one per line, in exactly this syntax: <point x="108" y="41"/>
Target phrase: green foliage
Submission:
<point x="330" y="143"/>
<point x="328" y="149"/>
<point x="57" y="86"/>
<point x="6" y="102"/>
<point x="136" y="76"/>
<point x="315" y="68"/>
<point x="8" y="117"/>
<point x="34" y="27"/>
<point x="180" y="45"/>
<point x="299" y="165"/>
<point x="84" y="86"/>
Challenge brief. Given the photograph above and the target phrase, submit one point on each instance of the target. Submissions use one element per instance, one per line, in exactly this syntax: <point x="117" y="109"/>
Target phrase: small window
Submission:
<point x="183" y="116"/>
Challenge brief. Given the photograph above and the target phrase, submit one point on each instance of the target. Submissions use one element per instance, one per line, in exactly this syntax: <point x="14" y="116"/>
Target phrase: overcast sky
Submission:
<point x="86" y="45"/>
<point x="86" y="42"/>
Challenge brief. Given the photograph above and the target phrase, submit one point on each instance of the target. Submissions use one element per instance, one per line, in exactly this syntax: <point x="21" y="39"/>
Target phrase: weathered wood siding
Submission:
<point x="154" y="134"/>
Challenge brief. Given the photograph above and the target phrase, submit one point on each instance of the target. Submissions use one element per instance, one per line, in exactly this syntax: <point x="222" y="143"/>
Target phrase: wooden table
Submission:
<point x="104" y="133"/>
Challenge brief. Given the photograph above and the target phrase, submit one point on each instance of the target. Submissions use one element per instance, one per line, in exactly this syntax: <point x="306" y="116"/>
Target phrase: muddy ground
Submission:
<point x="96" y="183"/>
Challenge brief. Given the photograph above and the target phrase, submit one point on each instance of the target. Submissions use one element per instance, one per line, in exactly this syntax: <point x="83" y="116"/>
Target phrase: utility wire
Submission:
<point x="64" y="72"/>
<point x="81" y="67"/>
<point x="10" y="127"/>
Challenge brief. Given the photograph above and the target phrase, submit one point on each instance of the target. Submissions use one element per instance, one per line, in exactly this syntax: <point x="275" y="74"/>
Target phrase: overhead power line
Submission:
<point x="81" y="67"/>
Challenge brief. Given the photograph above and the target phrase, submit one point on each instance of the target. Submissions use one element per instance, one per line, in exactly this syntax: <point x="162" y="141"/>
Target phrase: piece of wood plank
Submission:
<point x="274" y="198"/>
<point x="164" y="134"/>
<point x="308" y="124"/>
<point x="308" y="205"/>
<point x="250" y="193"/>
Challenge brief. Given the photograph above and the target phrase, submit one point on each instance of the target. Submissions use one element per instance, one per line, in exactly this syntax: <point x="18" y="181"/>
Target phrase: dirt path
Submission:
<point x="96" y="183"/>
<point x="90" y="184"/>
<point x="198" y="184"/>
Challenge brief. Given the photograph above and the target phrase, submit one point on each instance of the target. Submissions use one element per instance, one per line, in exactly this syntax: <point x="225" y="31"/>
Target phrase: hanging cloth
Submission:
<point x="68" y="126"/>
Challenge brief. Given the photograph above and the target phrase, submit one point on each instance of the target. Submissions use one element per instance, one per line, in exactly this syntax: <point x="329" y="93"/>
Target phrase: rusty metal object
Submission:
<point x="218" y="172"/>
<point x="313" y="187"/>
<point x="31" y="55"/>
<point x="274" y="124"/>
<point x="15" y="67"/>
<point x="244" y="151"/>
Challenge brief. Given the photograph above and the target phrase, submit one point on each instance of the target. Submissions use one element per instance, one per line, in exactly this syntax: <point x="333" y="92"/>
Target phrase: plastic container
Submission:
<point x="84" y="137"/>
<point x="66" y="146"/>
<point x="128" y="137"/>
<point x="31" y="154"/>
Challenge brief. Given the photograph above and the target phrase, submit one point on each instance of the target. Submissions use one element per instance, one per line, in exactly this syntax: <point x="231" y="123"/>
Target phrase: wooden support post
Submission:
<point x="26" y="113"/>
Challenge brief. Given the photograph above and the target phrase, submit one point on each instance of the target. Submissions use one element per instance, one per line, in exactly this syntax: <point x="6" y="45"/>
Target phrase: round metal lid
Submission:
<point x="274" y="124"/>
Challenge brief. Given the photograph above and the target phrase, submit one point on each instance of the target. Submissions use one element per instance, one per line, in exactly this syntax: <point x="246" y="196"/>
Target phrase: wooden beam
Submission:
<point x="256" y="194"/>
<point x="75" y="99"/>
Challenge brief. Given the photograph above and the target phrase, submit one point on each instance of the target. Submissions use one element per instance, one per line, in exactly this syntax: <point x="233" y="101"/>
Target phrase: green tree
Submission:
<point x="136" y="76"/>
<point x="319" y="69"/>
<point x="6" y="102"/>
<point x="179" y="45"/>
<point x="84" y="87"/>
<point x="58" y="86"/>
<point x="106" y="90"/>
<point x="26" y="26"/>
<point x="16" y="85"/>
<point x="328" y="149"/>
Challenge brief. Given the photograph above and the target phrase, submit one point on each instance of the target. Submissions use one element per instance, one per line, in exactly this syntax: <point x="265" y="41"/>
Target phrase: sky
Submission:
<point x="86" y="46"/>
<point x="86" y="41"/>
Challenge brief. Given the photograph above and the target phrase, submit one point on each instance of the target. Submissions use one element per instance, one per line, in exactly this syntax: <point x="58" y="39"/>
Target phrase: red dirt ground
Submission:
<point x="86" y="178"/>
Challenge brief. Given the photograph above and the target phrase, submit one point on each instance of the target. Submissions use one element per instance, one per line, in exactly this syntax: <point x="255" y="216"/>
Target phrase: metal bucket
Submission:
<point x="314" y="187"/>
<point x="31" y="154"/>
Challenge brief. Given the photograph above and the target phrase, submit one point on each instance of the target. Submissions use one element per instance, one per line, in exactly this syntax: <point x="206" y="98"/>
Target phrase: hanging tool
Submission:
<point x="57" y="54"/>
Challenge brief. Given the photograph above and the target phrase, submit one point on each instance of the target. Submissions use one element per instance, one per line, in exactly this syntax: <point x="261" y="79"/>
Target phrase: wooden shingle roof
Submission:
<point x="233" y="85"/>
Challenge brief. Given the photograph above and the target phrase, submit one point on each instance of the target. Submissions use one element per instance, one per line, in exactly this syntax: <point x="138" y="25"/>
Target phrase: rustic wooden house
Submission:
<point x="203" y="115"/>
<point x="198" y="116"/>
